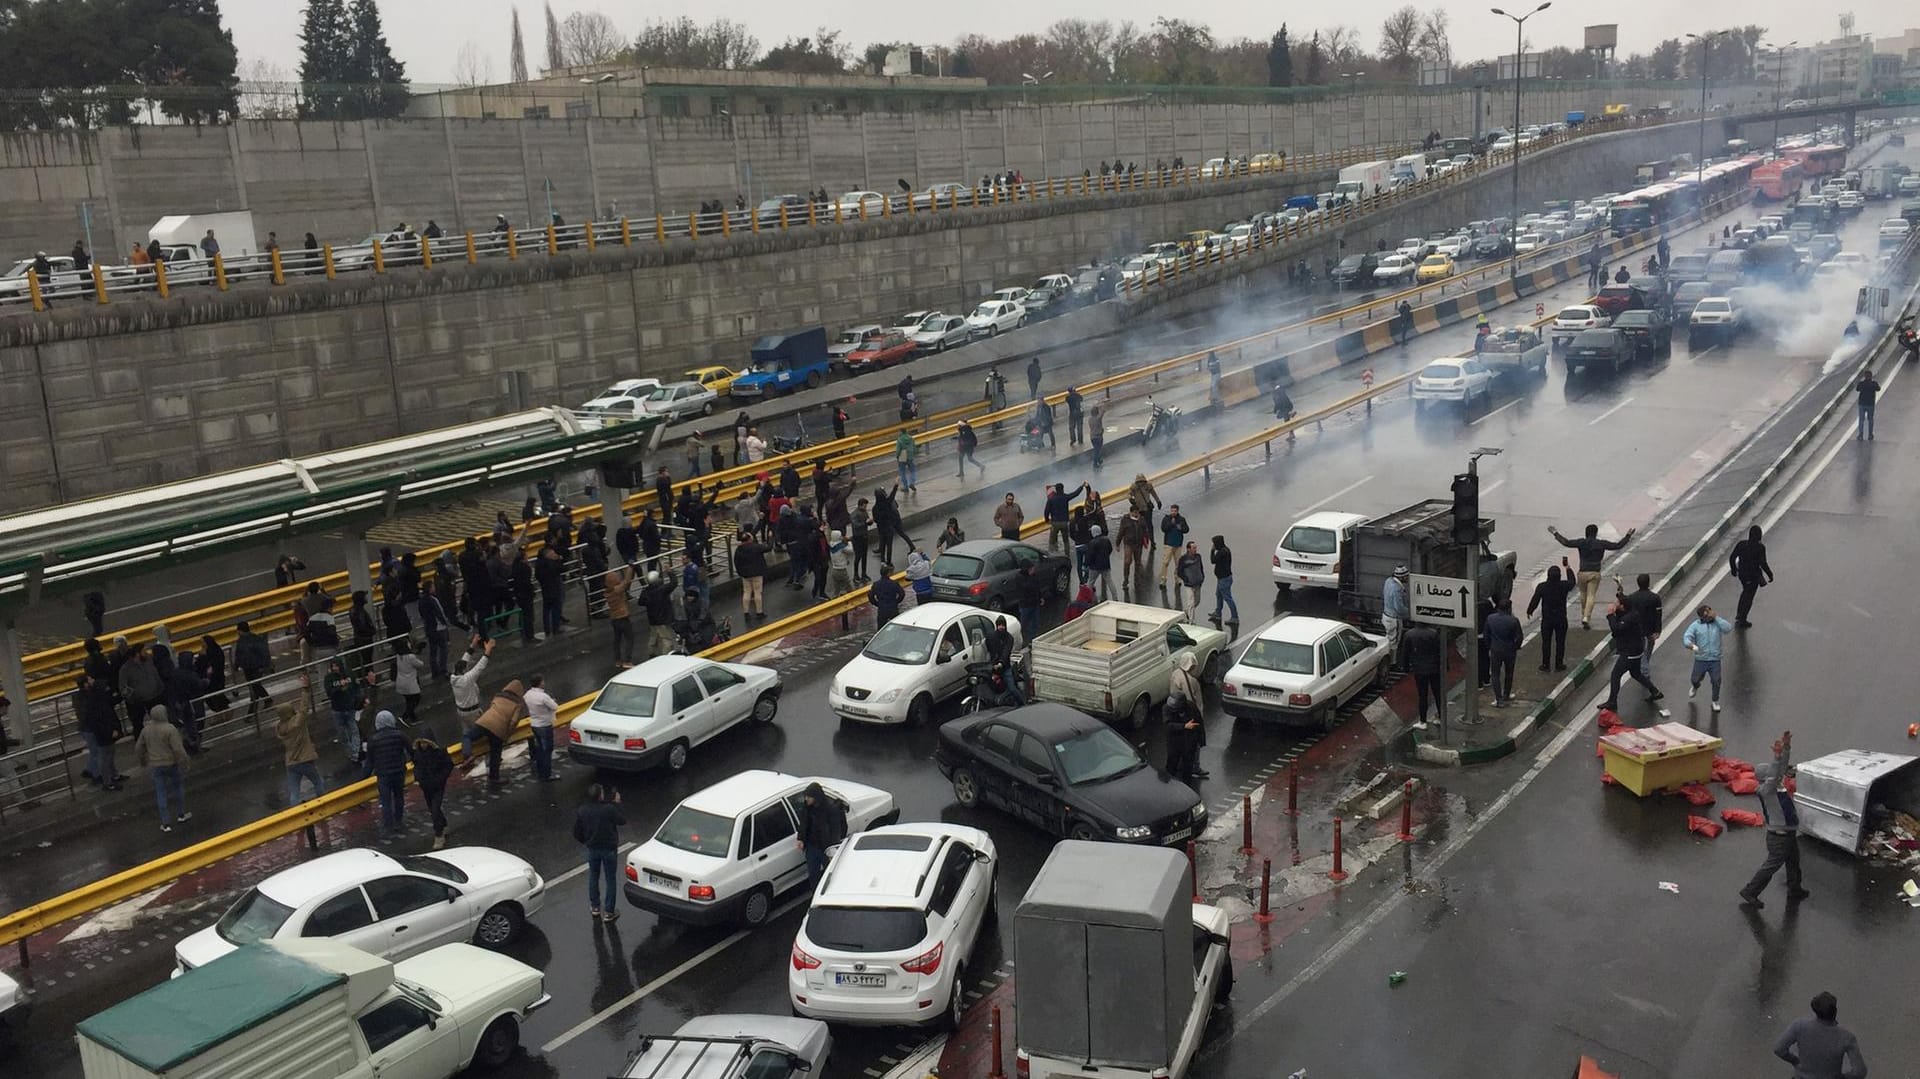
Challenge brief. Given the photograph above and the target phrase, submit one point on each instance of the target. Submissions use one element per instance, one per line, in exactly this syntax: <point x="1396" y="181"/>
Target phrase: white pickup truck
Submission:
<point x="317" y="1009"/>
<point x="1114" y="661"/>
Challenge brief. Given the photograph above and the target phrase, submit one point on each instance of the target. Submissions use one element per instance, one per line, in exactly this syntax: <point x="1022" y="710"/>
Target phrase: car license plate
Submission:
<point x="600" y="737"/>
<point x="659" y="881"/>
<point x="1262" y="691"/>
<point x="1176" y="837"/>
<point x="871" y="981"/>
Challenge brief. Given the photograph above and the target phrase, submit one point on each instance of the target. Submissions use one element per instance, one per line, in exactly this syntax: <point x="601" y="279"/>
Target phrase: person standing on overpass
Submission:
<point x="1033" y="378"/>
<point x="1592" y="550"/>
<point x="1075" y="420"/>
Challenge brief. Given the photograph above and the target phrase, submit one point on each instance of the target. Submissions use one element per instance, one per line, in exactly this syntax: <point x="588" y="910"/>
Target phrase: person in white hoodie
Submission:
<point x="468" y="701"/>
<point x="840" y="562"/>
<point x="542" y="710"/>
<point x="408" y="667"/>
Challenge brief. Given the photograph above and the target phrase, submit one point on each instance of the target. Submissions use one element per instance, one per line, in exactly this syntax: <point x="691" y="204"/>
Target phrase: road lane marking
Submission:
<point x="1494" y="486"/>
<point x="1609" y="412"/>
<point x="1342" y="492"/>
<point x="664" y="980"/>
<point x="1495" y="412"/>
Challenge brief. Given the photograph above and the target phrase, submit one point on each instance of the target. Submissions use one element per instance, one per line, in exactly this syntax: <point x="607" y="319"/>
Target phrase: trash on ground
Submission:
<point x="1725" y="768"/>
<point x="1609" y="780"/>
<point x="1396" y="977"/>
<point x="1695" y="793"/>
<point x="1669" y="886"/>
<point x="1744" y="783"/>
<point x="1742" y="816"/>
<point x="1705" y="827"/>
<point x="1912" y="891"/>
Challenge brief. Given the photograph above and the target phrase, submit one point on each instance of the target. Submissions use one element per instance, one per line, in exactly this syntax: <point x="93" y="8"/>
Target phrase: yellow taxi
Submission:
<point x="717" y="379"/>
<point x="1434" y="267"/>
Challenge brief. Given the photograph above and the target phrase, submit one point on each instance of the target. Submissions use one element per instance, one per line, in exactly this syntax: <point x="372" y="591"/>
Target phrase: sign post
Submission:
<point x="1446" y="601"/>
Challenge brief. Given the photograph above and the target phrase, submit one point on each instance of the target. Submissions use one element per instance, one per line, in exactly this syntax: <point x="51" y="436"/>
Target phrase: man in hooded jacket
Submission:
<point x="387" y="757"/>
<point x="823" y="824"/>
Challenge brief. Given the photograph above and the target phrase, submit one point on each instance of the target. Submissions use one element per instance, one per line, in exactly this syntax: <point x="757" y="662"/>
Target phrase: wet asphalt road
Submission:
<point x="1586" y="449"/>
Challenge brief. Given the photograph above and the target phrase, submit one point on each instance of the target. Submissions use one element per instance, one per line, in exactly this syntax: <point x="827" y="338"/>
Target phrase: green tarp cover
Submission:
<point x="179" y="1019"/>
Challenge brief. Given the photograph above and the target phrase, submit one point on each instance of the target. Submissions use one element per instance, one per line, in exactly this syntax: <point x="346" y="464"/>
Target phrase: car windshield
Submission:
<point x="1309" y="540"/>
<point x="1576" y="314"/>
<point x="1441" y="370"/>
<point x="1713" y="305"/>
<point x="1096" y="755"/>
<point x="1634" y="318"/>
<point x="1286" y="657"/>
<point x="252" y="918"/>
<point x="957" y="567"/>
<point x="848" y="337"/>
<point x="621" y="699"/>
<point x="661" y="393"/>
<point x="434" y="867"/>
<point x="696" y="832"/>
<point x="866" y="929"/>
<point x="897" y="643"/>
<point x="986" y="310"/>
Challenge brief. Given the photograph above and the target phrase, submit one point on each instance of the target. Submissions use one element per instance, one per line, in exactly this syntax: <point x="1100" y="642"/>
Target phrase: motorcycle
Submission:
<point x="1164" y="419"/>
<point x="986" y="688"/>
<point x="1909" y="339"/>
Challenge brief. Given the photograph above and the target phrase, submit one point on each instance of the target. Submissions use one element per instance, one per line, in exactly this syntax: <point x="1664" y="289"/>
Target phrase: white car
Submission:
<point x="1852" y="200"/>
<point x="654" y="713"/>
<point x="1214" y="166"/>
<point x="1572" y="320"/>
<point x="1530" y="241"/>
<point x="853" y="339"/>
<point x="1453" y="379"/>
<point x="1501" y="145"/>
<point x="1894" y="228"/>
<point x="1394" y="270"/>
<point x="916" y="661"/>
<point x="14" y="1009"/>
<point x="1309" y="555"/>
<point x="727" y="852"/>
<point x="892" y="926"/>
<point x="679" y="400"/>
<point x="1415" y="248"/>
<point x="392" y="907"/>
<point x="1012" y="295"/>
<point x="941" y="332"/>
<point x="1455" y="247"/>
<point x="853" y="202"/>
<point x="734" y="1047"/>
<point x="1852" y="260"/>
<point x="1136" y="268"/>
<point x="996" y="316"/>
<point x="909" y="322"/>
<point x="1302" y="669"/>
<point x="623" y="396"/>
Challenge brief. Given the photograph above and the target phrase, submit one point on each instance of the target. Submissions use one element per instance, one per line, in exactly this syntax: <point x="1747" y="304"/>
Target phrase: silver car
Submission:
<point x="939" y="332"/>
<point x="679" y="400"/>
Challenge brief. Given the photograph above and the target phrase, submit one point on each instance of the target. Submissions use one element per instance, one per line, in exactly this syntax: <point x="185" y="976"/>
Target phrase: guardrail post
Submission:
<point x="976" y="198"/>
<point x="836" y="212"/>
<point x="159" y="280"/>
<point x="326" y="260"/>
<point x="220" y="271"/>
<point x="273" y="257"/>
<point x="553" y="241"/>
<point x="100" y="283"/>
<point x="813" y="216"/>
<point x="379" y="258"/>
<point x="513" y="245"/>
<point x="659" y="230"/>
<point x="626" y="233"/>
<point x="33" y="291"/>
<point x="588" y="233"/>
<point x="473" y="253"/>
<point x="426" y="253"/>
<point x="726" y="226"/>
<point x="693" y="226"/>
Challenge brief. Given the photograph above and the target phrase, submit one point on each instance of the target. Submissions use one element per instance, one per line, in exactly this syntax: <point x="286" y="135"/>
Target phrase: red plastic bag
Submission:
<point x="1744" y="783"/>
<point x="1608" y="779"/>
<point x="1725" y="768"/>
<point x="1742" y="816"/>
<point x="1696" y="793"/>
<point x="1703" y="826"/>
<point x="1609" y="719"/>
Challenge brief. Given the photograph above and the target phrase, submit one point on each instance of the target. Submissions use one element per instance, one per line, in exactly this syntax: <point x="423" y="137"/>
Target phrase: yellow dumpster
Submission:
<point x="1659" y="758"/>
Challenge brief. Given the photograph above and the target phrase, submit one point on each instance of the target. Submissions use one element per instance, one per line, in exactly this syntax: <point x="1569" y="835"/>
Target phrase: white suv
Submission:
<point x="725" y="853"/>
<point x="892" y="926"/>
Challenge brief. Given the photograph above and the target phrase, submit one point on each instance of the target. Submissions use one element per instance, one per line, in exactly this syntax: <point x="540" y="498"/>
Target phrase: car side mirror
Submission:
<point x="1046" y="779"/>
<point x="795" y="1063"/>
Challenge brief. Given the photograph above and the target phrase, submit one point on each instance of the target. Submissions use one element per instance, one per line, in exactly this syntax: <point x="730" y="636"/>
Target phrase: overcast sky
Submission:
<point x="426" y="34"/>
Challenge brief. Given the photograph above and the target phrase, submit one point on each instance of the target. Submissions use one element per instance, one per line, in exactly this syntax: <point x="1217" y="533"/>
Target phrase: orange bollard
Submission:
<point x="1246" y="824"/>
<point x="1336" y="874"/>
<point x="997" y="1071"/>
<point x="1406" y="814"/>
<point x="1265" y="915"/>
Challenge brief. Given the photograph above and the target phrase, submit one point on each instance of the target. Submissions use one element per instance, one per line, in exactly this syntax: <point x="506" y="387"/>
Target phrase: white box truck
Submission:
<point x="1100" y="916"/>
<point x="317" y="1009"/>
<point x="233" y="230"/>
<point x="1114" y="661"/>
<point x="1363" y="180"/>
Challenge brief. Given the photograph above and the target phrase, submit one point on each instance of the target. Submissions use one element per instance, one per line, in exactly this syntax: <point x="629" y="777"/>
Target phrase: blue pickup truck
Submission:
<point x="783" y="363"/>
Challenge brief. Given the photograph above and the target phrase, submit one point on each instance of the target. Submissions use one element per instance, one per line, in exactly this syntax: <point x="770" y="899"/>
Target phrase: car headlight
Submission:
<point x="889" y="696"/>
<point x="533" y="879"/>
<point x="1199" y="812"/>
<point x="1134" y="831"/>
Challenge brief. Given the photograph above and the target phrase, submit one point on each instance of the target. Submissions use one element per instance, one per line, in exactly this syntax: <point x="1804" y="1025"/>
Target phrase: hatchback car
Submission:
<point x="916" y="661"/>
<point x="654" y="713"/>
<point x="987" y="573"/>
<point x="726" y="853"/>
<point x="892" y="926"/>
<point x="881" y="352"/>
<point x="1435" y="267"/>
<point x="391" y="907"/>
<point x="1067" y="774"/>
<point x="1302" y="669"/>
<point x="1463" y="381"/>
<point x="1575" y="319"/>
<point x="939" y="333"/>
<point x="1309" y="555"/>
<point x="1394" y="270"/>
<point x="996" y="317"/>
<point x="679" y="400"/>
<point x="716" y="378"/>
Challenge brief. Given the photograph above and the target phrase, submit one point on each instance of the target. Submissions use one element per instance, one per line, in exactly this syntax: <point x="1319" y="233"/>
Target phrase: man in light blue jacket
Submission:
<point x="1702" y="638"/>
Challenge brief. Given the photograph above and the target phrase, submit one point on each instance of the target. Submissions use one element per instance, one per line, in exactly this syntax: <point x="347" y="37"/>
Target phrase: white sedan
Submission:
<point x="1394" y="269"/>
<point x="1302" y="669"/>
<point x="853" y="203"/>
<point x="726" y="853"/>
<point x="893" y="925"/>
<point x="1457" y="380"/>
<point x="914" y="662"/>
<point x="940" y="332"/>
<point x="392" y="907"/>
<point x="1530" y="241"/>
<point x="996" y="316"/>
<point x="623" y="396"/>
<point x="679" y="401"/>
<point x="654" y="713"/>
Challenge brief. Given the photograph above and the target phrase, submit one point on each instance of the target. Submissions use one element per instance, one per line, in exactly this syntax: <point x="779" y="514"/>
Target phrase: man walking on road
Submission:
<point x="906" y="454"/>
<point x="965" y="443"/>
<point x="542" y="710"/>
<point x="1133" y="544"/>
<point x="387" y="756"/>
<point x="1190" y="574"/>
<point x="1869" y="390"/>
<point x="1702" y="638"/>
<point x="1075" y="420"/>
<point x="1629" y="649"/>
<point x="162" y="752"/>
<point x="432" y="767"/>
<point x="1100" y="561"/>
<point x="1393" y="611"/>
<point x="1748" y="563"/>
<point x="1820" y="1048"/>
<point x="1008" y="516"/>
<point x="1426" y="660"/>
<point x="1646" y="606"/>
<point x="302" y="760"/>
<point x="1173" y="536"/>
<point x="1783" y="827"/>
<point x="1504" y="635"/>
<point x="1059" y="514"/>
<point x="657" y="598"/>
<point x="1222" y="558"/>
<point x="1033" y="378"/>
<point x="1592" y="550"/>
<point x="596" y="827"/>
<point x="1097" y="431"/>
<point x="1550" y="596"/>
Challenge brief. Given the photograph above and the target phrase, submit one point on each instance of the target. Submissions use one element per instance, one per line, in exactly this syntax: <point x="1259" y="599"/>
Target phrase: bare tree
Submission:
<point x="267" y="92"/>
<point x="1399" y="35"/>
<point x="1434" y="43"/>
<point x="472" y="66"/>
<point x="517" y="52"/>
<point x="681" y="42"/>
<point x="556" y="56"/>
<point x="1342" y="45"/>
<point x="588" y="38"/>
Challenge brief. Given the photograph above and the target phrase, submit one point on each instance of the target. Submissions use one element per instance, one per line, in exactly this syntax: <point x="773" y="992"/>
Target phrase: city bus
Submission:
<point x="1825" y="159"/>
<point x="1778" y="180"/>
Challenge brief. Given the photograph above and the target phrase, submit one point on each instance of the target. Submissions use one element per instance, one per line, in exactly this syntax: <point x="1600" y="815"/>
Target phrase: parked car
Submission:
<point x="914" y="662"/>
<point x="716" y="378"/>
<point x="1457" y="380"/>
<point x="996" y="317"/>
<point x="1615" y="298"/>
<point x="1715" y="320"/>
<point x="1530" y="241"/>
<point x="1648" y="330"/>
<point x="1065" y="773"/>
<point x="1311" y="552"/>
<point x="893" y="926"/>
<point x="1492" y="245"/>
<point x="654" y="713"/>
<point x="1688" y="294"/>
<point x="909" y="322"/>
<point x="1394" y="270"/>
<point x="851" y="338"/>
<point x="1456" y="246"/>
<point x="987" y="573"/>
<point x="391" y="907"/>
<point x="854" y="203"/>
<point x="881" y="352"/>
<point x="1301" y="669"/>
<point x="623" y="396"/>
<point x="679" y="400"/>
<point x="726" y="853"/>
<point x="1575" y="320"/>
<point x="734" y="1046"/>
<point x="1016" y="294"/>
<point x="1603" y="347"/>
<point x="1435" y="267"/>
<point x="940" y="332"/>
<point x="1356" y="270"/>
<point x="1415" y="248"/>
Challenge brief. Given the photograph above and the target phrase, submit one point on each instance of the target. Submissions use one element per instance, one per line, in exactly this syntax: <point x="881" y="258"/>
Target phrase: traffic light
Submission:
<point x="1466" y="508"/>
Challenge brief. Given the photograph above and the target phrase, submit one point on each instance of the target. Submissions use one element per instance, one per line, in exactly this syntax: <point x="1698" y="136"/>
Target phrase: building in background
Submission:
<point x="1843" y="67"/>
<point x="1904" y="50"/>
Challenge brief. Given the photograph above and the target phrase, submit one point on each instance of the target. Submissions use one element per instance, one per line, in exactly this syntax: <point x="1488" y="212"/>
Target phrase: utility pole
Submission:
<point x="1466" y="532"/>
<point x="1519" y="46"/>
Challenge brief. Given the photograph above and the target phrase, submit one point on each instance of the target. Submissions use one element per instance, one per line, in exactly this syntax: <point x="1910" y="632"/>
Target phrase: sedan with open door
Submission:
<point x="916" y="661"/>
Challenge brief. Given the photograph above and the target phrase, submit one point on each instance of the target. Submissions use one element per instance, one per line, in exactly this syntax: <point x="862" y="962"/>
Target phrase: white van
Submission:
<point x="1309" y="555"/>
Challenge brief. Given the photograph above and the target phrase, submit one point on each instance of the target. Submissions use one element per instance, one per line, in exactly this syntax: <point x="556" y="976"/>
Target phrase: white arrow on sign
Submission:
<point x="1440" y="601"/>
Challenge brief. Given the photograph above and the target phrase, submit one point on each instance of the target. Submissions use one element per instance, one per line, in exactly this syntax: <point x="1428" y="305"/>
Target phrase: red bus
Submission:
<point x="1778" y="180"/>
<point x="1825" y="159"/>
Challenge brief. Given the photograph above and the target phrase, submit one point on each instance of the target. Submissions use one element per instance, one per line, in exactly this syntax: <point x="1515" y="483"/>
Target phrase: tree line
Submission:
<point x="89" y="63"/>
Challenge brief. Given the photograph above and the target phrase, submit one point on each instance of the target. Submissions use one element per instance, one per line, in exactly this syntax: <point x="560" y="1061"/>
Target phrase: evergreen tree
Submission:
<point x="517" y="52"/>
<point x="556" y="54"/>
<point x="1280" y="60"/>
<point x="379" y="79"/>
<point x="324" y="49"/>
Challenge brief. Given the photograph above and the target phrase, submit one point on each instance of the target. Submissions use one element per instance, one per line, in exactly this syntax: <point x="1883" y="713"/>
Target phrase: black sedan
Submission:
<point x="1649" y="331"/>
<point x="987" y="573"/>
<point x="1065" y="772"/>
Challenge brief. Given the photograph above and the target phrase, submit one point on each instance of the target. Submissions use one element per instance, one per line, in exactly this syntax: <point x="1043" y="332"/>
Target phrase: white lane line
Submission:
<point x="582" y="868"/>
<point x="1495" y="412"/>
<point x="1702" y="354"/>
<point x="1494" y="486"/>
<point x="1342" y="492"/>
<point x="1610" y="412"/>
<point x="663" y="980"/>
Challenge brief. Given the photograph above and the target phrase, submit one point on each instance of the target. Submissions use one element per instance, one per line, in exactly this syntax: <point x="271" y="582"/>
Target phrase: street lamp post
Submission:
<point x="1700" y="163"/>
<point x="1513" y="219"/>
<point x="1779" y="77"/>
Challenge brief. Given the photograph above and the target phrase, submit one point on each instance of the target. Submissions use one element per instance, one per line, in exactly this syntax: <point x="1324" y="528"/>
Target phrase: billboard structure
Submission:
<point x="1529" y="66"/>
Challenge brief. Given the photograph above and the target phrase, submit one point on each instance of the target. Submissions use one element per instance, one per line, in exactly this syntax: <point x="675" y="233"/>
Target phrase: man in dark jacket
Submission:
<point x="1748" y="564"/>
<point x="1645" y="604"/>
<point x="1100" y="560"/>
<point x="1504" y="634"/>
<point x="1033" y="377"/>
<point x="750" y="565"/>
<point x="140" y="685"/>
<point x="254" y="660"/>
<point x="789" y="480"/>
<point x="1550" y="596"/>
<point x="663" y="491"/>
<point x="1059" y="512"/>
<point x="521" y="578"/>
<point x="886" y="595"/>
<point x="823" y="824"/>
<point x="387" y="755"/>
<point x="1032" y="594"/>
<point x="1222" y="558"/>
<point x="550" y="571"/>
<point x="432" y="767"/>
<point x="596" y="827"/>
<point x="360" y="623"/>
<point x="1426" y="661"/>
<point x="657" y="598"/>
<point x="1629" y="647"/>
<point x="99" y="728"/>
<point x="1075" y="425"/>
<point x="626" y="542"/>
<point x="1183" y="738"/>
<point x="1592" y="550"/>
